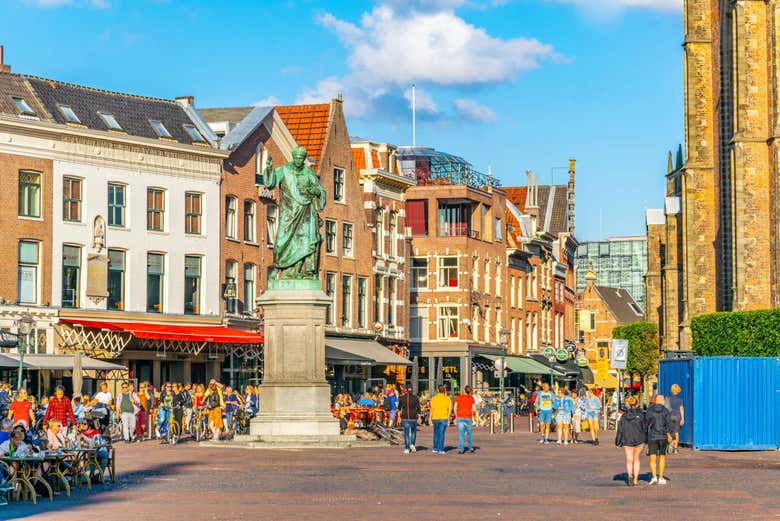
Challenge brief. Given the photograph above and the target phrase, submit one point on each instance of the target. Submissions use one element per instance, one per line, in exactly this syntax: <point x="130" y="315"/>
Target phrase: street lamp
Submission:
<point x="25" y="325"/>
<point x="503" y="335"/>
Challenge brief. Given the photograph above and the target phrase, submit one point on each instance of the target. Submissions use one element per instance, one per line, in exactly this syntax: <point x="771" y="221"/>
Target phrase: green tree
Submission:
<point x="644" y="348"/>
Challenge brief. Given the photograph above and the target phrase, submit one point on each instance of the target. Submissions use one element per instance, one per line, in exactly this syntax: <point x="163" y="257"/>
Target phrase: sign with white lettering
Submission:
<point x="619" y="356"/>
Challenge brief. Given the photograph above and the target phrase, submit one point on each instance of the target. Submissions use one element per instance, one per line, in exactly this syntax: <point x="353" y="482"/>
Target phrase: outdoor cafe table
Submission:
<point x="26" y="467"/>
<point x="62" y="463"/>
<point x="366" y="414"/>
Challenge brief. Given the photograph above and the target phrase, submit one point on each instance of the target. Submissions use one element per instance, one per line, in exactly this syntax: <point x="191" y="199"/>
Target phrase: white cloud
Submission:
<point x="473" y="111"/>
<point x="401" y="42"/>
<point x="607" y="6"/>
<point x="270" y="101"/>
<point x="439" y="48"/>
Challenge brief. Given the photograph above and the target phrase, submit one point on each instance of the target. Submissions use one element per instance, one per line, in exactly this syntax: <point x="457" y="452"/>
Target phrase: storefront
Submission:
<point x="354" y="365"/>
<point x="161" y="352"/>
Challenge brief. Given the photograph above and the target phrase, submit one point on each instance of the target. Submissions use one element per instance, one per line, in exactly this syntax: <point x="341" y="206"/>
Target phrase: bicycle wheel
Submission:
<point x="173" y="433"/>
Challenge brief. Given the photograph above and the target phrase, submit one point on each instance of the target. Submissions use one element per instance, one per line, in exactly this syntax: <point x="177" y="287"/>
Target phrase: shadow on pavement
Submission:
<point x="81" y="496"/>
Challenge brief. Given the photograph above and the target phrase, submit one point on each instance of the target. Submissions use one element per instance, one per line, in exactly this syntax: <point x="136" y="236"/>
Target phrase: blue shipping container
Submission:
<point x="679" y="372"/>
<point x="737" y="403"/>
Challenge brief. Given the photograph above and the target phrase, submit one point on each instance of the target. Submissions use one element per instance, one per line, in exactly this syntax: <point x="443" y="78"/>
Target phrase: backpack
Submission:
<point x="387" y="404"/>
<point x="187" y="400"/>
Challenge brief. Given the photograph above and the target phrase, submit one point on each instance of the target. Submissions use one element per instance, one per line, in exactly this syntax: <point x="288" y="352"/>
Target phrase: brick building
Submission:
<point x="384" y="198"/>
<point x="26" y="182"/>
<point x="131" y="193"/>
<point x="456" y="217"/>
<point x="600" y="310"/>
<point x="725" y="207"/>
<point x="361" y="299"/>
<point x="251" y="135"/>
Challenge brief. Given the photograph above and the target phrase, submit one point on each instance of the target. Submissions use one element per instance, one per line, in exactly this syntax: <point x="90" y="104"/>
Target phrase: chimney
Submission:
<point x="570" y="195"/>
<point x="186" y="101"/>
<point x="3" y="66"/>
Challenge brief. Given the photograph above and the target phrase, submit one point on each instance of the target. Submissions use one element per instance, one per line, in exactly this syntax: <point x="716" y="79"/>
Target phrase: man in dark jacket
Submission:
<point x="659" y="432"/>
<point x="409" y="409"/>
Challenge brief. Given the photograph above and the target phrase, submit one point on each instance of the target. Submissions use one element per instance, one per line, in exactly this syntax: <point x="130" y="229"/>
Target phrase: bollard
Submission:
<point x="512" y="423"/>
<point x="492" y="425"/>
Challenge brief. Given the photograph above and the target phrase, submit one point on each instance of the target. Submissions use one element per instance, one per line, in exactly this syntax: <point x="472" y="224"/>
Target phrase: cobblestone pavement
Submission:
<point x="510" y="477"/>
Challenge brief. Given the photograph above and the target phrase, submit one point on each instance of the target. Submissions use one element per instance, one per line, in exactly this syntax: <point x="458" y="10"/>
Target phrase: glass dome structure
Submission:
<point x="430" y="166"/>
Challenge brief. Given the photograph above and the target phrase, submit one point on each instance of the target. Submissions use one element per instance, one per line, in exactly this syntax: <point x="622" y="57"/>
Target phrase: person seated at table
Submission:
<point x="366" y="401"/>
<point x="92" y="438"/>
<point x="54" y="435"/>
<point x="6" y="426"/>
<point x="15" y="446"/>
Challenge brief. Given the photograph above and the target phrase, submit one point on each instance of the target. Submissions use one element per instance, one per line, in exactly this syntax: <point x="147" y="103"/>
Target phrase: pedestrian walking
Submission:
<point x="592" y="410"/>
<point x="544" y="410"/>
<point x="659" y="432"/>
<point x="59" y="408"/>
<point x="576" y="417"/>
<point x="464" y="413"/>
<point x="564" y="408"/>
<point x="409" y="410"/>
<point x="127" y="404"/>
<point x="441" y="409"/>
<point x="631" y="435"/>
<point x="676" y="416"/>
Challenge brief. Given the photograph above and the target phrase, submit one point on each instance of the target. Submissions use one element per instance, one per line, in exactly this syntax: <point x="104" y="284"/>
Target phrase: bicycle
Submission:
<point x="174" y="432"/>
<point x="198" y="424"/>
<point x="240" y="423"/>
<point x="393" y="436"/>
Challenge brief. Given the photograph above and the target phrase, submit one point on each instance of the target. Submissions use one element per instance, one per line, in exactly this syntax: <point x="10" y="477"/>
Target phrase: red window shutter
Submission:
<point x="417" y="217"/>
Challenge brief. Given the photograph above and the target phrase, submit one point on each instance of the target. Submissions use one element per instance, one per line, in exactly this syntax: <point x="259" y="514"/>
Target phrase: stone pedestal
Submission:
<point x="294" y="396"/>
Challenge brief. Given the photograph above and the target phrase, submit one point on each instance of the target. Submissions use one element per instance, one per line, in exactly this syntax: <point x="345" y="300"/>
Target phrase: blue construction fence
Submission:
<point x="731" y="403"/>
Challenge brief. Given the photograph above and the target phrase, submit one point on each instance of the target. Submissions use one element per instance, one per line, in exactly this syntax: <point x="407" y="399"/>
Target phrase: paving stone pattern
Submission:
<point x="510" y="477"/>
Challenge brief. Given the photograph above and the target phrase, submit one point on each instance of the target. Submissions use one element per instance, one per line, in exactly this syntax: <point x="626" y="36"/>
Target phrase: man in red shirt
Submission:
<point x="20" y="410"/>
<point x="464" y="412"/>
<point x="59" y="408"/>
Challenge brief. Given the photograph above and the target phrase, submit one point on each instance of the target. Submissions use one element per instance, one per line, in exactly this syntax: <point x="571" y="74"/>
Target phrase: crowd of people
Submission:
<point x="138" y="414"/>
<point x="565" y="411"/>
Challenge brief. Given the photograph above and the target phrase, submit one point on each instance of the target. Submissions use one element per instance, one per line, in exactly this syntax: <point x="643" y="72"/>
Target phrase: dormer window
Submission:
<point x="195" y="136"/>
<point x="23" y="107"/>
<point x="159" y="128"/>
<point x="110" y="121"/>
<point x="70" y="116"/>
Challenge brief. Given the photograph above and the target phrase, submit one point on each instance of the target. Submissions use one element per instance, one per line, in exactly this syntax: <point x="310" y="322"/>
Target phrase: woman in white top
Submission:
<point x="102" y="400"/>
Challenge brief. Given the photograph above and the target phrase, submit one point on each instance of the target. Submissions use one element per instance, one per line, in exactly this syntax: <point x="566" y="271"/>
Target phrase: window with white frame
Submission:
<point x="193" y="212"/>
<point x="379" y="230"/>
<point x="231" y="216"/>
<point x="447" y="322"/>
<point x="379" y="296"/>
<point x="391" y="289"/>
<point x="487" y="277"/>
<point x="249" y="220"/>
<point x="487" y="328"/>
<point x="116" y="204"/>
<point x="393" y="234"/>
<point x="27" y="276"/>
<point x="338" y="185"/>
<point x="71" y="199"/>
<point x="498" y="280"/>
<point x="29" y="194"/>
<point x="330" y="236"/>
<point x="362" y="318"/>
<point x="419" y="272"/>
<point x="475" y="272"/>
<point x="249" y="288"/>
<point x="448" y="272"/>
<point x="418" y="323"/>
<point x="520" y="292"/>
<point x="346" y="239"/>
<point x="330" y="290"/>
<point x="271" y="223"/>
<point x="512" y="289"/>
<point x="346" y="300"/>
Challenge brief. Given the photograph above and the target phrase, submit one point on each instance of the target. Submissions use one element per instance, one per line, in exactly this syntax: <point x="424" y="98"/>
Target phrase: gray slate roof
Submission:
<point x="132" y="112"/>
<point x="621" y="304"/>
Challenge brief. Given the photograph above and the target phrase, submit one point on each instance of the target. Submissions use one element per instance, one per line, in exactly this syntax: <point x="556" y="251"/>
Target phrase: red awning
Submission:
<point x="215" y="334"/>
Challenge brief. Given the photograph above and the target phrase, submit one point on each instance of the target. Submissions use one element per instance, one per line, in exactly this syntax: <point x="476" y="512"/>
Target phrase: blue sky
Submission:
<point x="507" y="84"/>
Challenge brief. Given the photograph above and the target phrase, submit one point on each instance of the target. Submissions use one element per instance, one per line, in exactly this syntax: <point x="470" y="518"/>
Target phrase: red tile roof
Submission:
<point x="516" y="195"/>
<point x="359" y="157"/>
<point x="308" y="124"/>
